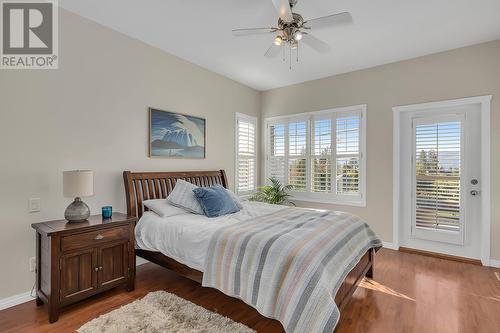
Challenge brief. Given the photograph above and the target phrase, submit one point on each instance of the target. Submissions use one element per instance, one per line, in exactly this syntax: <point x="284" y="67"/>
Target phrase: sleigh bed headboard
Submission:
<point x="140" y="186"/>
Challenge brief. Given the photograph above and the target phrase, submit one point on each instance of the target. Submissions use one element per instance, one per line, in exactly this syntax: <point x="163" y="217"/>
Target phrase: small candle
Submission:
<point x="107" y="212"/>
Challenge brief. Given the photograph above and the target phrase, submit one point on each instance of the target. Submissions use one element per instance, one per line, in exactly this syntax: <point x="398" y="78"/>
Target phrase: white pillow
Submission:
<point x="182" y="196"/>
<point x="235" y="198"/>
<point x="162" y="208"/>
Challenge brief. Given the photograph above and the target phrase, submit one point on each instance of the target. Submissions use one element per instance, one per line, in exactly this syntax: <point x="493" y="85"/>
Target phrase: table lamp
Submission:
<point x="78" y="184"/>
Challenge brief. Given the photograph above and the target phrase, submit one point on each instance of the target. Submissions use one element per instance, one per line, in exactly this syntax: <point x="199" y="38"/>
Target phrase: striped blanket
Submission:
<point x="289" y="264"/>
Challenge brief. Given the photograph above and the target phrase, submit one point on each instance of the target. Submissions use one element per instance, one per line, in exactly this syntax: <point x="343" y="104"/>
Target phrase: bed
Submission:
<point x="141" y="186"/>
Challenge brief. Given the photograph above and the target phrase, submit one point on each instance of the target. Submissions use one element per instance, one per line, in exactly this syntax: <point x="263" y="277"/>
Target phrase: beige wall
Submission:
<point x="465" y="72"/>
<point x="92" y="113"/>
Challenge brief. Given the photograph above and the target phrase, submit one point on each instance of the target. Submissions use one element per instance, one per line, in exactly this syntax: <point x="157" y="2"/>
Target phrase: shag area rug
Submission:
<point x="163" y="312"/>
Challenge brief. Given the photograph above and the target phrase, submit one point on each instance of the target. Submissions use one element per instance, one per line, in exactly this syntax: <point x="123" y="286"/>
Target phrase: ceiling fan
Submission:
<point x="292" y="29"/>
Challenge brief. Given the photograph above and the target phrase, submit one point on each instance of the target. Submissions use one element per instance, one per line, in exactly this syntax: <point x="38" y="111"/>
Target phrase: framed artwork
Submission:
<point x="175" y="135"/>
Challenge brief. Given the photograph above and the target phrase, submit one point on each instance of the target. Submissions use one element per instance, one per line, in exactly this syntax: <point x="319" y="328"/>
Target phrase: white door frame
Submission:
<point x="485" y="106"/>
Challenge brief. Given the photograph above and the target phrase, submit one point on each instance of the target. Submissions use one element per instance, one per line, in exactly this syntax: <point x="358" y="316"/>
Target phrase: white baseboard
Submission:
<point x="391" y="246"/>
<point x="495" y="263"/>
<point x="15" y="300"/>
<point x="492" y="263"/>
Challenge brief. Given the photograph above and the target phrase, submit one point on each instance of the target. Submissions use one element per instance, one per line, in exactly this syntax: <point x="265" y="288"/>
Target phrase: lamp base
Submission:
<point x="77" y="211"/>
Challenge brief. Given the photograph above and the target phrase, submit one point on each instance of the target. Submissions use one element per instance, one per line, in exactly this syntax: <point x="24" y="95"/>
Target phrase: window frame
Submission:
<point x="333" y="114"/>
<point x="254" y="120"/>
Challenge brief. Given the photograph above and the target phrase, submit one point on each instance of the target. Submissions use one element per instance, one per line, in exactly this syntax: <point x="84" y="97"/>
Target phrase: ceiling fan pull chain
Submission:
<point x="290" y="48"/>
<point x="297" y="52"/>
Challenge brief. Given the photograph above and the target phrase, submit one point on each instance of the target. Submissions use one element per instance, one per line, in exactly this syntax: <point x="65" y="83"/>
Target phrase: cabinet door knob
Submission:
<point x="100" y="268"/>
<point x="99" y="237"/>
<point x="96" y="269"/>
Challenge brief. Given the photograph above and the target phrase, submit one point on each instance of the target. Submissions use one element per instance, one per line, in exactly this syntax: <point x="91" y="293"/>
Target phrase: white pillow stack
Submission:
<point x="182" y="200"/>
<point x="182" y="196"/>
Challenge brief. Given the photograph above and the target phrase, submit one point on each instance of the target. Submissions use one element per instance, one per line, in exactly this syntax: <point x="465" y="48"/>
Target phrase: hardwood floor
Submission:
<point x="409" y="293"/>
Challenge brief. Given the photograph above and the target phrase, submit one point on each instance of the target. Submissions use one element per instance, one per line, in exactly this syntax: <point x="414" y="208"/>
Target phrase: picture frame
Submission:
<point x="176" y="135"/>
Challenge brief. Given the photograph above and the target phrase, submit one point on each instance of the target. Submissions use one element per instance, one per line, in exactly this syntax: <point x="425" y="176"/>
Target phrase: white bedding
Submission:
<point x="185" y="237"/>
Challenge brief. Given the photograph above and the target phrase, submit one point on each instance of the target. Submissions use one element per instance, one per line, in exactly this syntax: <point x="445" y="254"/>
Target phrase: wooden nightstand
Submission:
<point x="78" y="260"/>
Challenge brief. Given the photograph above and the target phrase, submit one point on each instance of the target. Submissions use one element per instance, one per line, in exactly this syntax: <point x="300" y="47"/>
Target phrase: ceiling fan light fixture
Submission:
<point x="297" y="35"/>
<point x="293" y="30"/>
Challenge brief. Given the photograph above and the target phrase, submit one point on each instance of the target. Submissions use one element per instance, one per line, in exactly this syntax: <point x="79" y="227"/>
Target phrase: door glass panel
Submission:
<point x="438" y="150"/>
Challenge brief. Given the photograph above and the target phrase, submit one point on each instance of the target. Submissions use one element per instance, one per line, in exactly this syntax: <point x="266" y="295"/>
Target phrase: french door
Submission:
<point x="441" y="166"/>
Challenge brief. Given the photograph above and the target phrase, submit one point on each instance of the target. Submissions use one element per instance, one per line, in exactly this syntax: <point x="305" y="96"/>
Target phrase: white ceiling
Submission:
<point x="383" y="31"/>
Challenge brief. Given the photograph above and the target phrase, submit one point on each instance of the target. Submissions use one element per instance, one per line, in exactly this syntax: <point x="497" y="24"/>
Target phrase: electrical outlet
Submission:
<point x="34" y="205"/>
<point x="32" y="264"/>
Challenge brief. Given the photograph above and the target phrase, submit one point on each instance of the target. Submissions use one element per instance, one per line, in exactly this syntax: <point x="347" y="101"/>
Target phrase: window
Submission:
<point x="297" y="155"/>
<point x="320" y="154"/>
<point x="276" y="160"/>
<point x="347" y="155"/>
<point x="321" y="157"/>
<point x="246" y="158"/>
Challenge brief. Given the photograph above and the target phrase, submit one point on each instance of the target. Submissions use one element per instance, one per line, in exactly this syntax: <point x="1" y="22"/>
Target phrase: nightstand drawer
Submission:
<point x="93" y="238"/>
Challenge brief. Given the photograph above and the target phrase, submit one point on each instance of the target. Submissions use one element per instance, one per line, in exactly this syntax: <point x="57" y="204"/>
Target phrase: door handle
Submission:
<point x="474" y="193"/>
<point x="99" y="237"/>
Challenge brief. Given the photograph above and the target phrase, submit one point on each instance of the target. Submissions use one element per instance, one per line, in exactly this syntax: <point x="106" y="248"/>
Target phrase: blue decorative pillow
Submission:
<point x="215" y="201"/>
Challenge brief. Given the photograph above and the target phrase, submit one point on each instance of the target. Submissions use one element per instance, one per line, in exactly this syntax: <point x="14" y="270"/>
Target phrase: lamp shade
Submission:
<point x="78" y="183"/>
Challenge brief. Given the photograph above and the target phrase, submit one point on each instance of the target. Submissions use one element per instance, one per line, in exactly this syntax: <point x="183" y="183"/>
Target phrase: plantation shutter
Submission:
<point x="347" y="154"/>
<point x="276" y="159"/>
<point x="297" y="155"/>
<point x="321" y="154"/>
<point x="437" y="159"/>
<point x="246" y="163"/>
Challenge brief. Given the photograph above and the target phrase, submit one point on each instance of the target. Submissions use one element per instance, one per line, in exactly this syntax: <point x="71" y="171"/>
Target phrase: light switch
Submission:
<point x="34" y="205"/>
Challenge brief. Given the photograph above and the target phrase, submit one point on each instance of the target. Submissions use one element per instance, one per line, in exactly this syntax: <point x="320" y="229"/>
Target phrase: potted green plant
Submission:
<point x="275" y="193"/>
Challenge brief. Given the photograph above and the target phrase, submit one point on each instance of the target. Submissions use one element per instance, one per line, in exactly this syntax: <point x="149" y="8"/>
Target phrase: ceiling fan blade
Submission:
<point x="272" y="51"/>
<point x="253" y="31"/>
<point x="284" y="10"/>
<point x="328" y="21"/>
<point x="315" y="43"/>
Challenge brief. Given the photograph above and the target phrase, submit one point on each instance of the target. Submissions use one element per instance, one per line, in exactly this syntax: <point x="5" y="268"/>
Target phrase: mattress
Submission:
<point x="186" y="237"/>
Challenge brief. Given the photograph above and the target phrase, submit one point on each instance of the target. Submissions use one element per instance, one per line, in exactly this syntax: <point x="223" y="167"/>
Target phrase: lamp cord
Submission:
<point x="34" y="284"/>
<point x="33" y="289"/>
